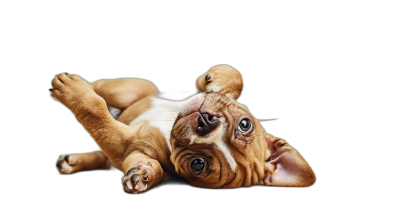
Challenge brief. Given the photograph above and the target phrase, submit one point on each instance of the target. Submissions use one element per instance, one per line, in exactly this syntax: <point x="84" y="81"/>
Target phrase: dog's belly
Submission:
<point x="162" y="114"/>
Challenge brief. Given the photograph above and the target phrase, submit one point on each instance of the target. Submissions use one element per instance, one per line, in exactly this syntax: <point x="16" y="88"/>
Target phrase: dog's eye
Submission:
<point x="245" y="125"/>
<point x="198" y="165"/>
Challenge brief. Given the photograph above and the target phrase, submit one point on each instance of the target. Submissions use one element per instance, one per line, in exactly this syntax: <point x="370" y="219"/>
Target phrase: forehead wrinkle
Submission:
<point x="238" y="110"/>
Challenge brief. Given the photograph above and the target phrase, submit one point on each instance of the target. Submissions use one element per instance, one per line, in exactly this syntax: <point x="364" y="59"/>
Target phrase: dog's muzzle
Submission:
<point x="206" y="124"/>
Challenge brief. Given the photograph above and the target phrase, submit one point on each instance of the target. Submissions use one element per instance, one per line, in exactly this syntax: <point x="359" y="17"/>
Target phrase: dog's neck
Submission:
<point x="163" y="113"/>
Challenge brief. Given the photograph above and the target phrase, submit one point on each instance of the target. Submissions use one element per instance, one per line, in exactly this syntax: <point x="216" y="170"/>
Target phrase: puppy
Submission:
<point x="209" y="139"/>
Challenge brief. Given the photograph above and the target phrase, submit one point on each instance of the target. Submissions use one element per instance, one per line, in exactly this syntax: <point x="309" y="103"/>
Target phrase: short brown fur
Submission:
<point x="142" y="152"/>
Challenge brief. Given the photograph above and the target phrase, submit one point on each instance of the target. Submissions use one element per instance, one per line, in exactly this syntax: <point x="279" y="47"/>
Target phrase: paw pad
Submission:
<point x="136" y="178"/>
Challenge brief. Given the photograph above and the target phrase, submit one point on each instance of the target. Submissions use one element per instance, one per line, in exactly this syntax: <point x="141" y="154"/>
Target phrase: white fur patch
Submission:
<point x="213" y="89"/>
<point x="163" y="113"/>
<point x="215" y="138"/>
<point x="191" y="101"/>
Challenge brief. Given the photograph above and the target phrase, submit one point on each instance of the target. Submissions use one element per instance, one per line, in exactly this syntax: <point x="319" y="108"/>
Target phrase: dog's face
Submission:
<point x="217" y="143"/>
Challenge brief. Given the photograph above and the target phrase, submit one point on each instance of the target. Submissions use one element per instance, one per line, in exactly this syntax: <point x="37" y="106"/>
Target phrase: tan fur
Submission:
<point x="84" y="161"/>
<point x="135" y="110"/>
<point x="257" y="157"/>
<point x="119" y="93"/>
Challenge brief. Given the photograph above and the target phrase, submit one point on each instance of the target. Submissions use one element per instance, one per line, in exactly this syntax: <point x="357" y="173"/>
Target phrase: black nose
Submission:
<point x="207" y="123"/>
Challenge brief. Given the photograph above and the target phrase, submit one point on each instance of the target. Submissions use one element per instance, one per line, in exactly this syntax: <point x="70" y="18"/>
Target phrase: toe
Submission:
<point x="145" y="174"/>
<point x="132" y="170"/>
<point x="141" y="163"/>
<point x="135" y="178"/>
<point x="56" y="83"/>
<point x="71" y="160"/>
<point x="63" y="77"/>
<point x="128" y="184"/>
<point x="59" y="164"/>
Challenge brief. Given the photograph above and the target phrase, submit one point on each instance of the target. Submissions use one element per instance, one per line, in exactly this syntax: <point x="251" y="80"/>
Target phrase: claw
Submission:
<point x="64" y="166"/>
<point x="59" y="164"/>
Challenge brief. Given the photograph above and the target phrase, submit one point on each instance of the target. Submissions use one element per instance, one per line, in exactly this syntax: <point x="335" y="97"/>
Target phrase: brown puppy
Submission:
<point x="209" y="139"/>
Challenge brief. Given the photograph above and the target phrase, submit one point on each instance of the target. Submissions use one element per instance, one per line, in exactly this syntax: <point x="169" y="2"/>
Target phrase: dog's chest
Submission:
<point x="162" y="114"/>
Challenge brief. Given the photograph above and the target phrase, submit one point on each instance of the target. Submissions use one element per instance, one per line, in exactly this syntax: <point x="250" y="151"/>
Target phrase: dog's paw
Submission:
<point x="72" y="90"/>
<point x="222" y="79"/>
<point x="139" y="178"/>
<point x="65" y="164"/>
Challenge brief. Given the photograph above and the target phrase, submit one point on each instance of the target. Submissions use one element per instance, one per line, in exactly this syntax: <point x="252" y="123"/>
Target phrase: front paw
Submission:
<point x="139" y="178"/>
<point x="72" y="91"/>
<point x="222" y="79"/>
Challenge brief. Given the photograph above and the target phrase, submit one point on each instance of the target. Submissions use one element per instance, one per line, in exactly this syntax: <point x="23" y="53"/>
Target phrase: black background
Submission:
<point x="293" y="77"/>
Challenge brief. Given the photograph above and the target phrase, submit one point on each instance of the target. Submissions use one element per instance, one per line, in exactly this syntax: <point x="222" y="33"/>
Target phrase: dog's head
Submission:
<point x="217" y="143"/>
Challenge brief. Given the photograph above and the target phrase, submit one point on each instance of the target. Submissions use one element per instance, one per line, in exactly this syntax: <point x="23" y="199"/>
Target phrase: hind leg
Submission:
<point x="72" y="163"/>
<point x="121" y="93"/>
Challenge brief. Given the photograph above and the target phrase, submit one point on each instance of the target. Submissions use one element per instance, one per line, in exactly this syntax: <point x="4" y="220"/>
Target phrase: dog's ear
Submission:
<point x="285" y="166"/>
<point x="222" y="79"/>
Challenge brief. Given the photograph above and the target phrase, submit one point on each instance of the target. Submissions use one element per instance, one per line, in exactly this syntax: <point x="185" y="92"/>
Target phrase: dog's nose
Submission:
<point x="207" y="123"/>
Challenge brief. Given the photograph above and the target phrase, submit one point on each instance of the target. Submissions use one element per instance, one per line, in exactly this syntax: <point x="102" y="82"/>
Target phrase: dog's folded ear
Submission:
<point x="285" y="166"/>
<point x="222" y="79"/>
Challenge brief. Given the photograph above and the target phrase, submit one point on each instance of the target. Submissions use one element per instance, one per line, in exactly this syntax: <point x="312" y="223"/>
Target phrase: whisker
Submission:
<point x="218" y="99"/>
<point x="231" y="95"/>
<point x="166" y="133"/>
<point x="220" y="96"/>
<point x="179" y="139"/>
<point x="258" y="138"/>
<point x="176" y="109"/>
<point x="234" y="89"/>
<point x="272" y="119"/>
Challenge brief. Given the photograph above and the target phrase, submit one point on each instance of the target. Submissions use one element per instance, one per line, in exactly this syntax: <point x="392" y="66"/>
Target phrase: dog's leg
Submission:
<point x="72" y="163"/>
<point x="90" y="109"/>
<point x="119" y="142"/>
<point x="118" y="93"/>
<point x="121" y="93"/>
<point x="141" y="172"/>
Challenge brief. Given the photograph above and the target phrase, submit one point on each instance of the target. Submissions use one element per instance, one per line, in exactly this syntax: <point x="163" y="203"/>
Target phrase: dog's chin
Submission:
<point x="186" y="121"/>
<point x="191" y="105"/>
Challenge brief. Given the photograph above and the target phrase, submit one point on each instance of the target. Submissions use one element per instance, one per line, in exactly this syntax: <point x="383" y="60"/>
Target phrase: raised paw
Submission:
<point x="73" y="91"/>
<point x="73" y="163"/>
<point x="138" y="178"/>
<point x="222" y="79"/>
